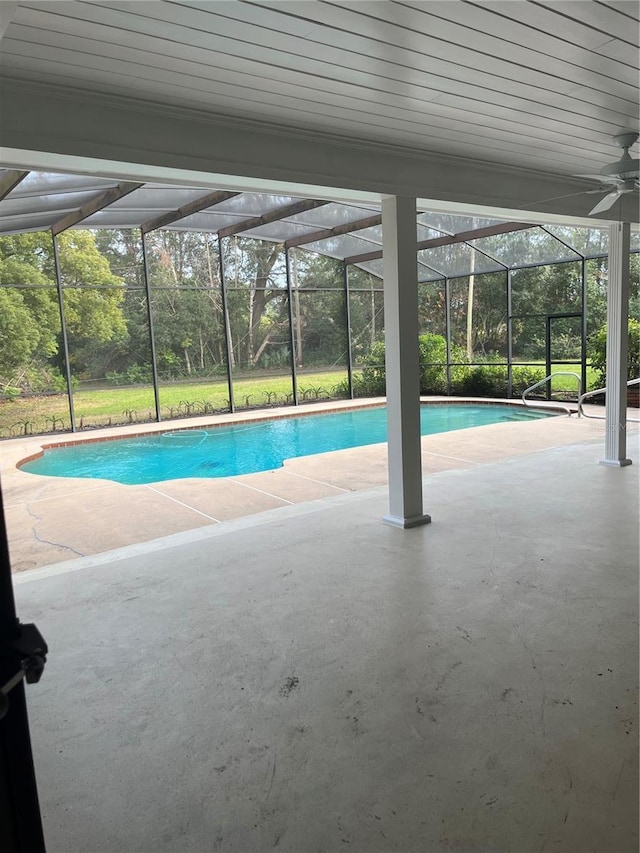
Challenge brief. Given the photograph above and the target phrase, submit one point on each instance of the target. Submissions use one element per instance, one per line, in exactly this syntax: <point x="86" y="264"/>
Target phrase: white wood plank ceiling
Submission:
<point x="540" y="85"/>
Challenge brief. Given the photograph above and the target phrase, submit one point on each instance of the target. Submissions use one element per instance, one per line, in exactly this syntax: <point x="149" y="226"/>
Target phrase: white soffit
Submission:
<point x="541" y="85"/>
<point x="538" y="86"/>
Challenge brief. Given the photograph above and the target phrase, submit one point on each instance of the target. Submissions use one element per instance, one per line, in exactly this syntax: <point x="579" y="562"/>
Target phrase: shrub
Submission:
<point x="136" y="374"/>
<point x="433" y="371"/>
<point x="36" y="380"/>
<point x="373" y="379"/>
<point x="480" y="381"/>
<point x="597" y="352"/>
<point x="523" y="378"/>
<point x="341" y="388"/>
<point x="10" y="392"/>
<point x="361" y="388"/>
<point x="433" y="364"/>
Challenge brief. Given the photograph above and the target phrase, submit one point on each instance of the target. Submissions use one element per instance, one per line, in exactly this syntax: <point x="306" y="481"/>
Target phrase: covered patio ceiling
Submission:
<point x="501" y="105"/>
<point x="449" y="245"/>
<point x="541" y="84"/>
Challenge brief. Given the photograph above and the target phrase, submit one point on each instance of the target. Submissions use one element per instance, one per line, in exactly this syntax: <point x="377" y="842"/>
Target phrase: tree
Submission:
<point x="20" y="332"/>
<point x="366" y="309"/>
<point x="257" y="295"/>
<point x="319" y="310"/>
<point x="29" y="322"/>
<point x="29" y="316"/>
<point x="31" y="348"/>
<point x="188" y="320"/>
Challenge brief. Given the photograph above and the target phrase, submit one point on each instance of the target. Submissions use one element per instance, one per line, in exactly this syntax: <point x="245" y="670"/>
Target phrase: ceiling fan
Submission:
<point x="622" y="176"/>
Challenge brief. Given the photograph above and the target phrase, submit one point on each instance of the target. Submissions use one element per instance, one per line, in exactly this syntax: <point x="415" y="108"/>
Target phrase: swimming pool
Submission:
<point x="247" y="448"/>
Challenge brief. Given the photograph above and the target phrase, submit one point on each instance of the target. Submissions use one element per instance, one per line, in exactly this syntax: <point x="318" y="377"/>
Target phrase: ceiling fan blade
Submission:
<point x="603" y="179"/>
<point x="604" y="204"/>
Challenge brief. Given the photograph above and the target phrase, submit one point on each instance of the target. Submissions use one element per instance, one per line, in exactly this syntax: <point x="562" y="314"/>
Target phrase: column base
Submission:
<point x="405" y="523"/>
<point x="615" y="463"/>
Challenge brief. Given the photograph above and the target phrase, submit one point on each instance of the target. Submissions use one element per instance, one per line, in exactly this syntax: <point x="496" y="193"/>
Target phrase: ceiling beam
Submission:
<point x="375" y="255"/>
<point x="98" y="203"/>
<point x="474" y="234"/>
<point x="10" y="180"/>
<point x="450" y="239"/>
<point x="325" y="233"/>
<point x="7" y="11"/>
<point x="209" y="200"/>
<point x="271" y="216"/>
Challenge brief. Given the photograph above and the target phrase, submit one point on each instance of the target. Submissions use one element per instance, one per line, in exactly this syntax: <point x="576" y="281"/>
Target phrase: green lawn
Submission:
<point x="135" y="404"/>
<point x="131" y="404"/>
<point x="568" y="383"/>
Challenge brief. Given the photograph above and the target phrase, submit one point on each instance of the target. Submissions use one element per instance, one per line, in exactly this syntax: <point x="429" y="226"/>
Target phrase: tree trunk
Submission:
<point x="298" y="318"/>
<point x="212" y="282"/>
<point x="259" y="296"/>
<point x="373" y="317"/>
<point x="167" y="257"/>
<point x="262" y="346"/>
<point x="472" y="279"/>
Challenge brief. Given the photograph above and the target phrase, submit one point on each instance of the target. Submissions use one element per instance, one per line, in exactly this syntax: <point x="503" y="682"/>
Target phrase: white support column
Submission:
<point x="615" y="447"/>
<point x="402" y="362"/>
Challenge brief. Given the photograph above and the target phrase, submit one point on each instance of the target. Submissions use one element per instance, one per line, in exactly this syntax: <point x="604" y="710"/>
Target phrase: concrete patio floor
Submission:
<point x="311" y="680"/>
<point x="51" y="519"/>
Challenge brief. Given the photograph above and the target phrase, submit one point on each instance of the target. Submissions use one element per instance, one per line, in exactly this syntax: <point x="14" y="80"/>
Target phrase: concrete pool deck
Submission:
<point x="51" y="519"/>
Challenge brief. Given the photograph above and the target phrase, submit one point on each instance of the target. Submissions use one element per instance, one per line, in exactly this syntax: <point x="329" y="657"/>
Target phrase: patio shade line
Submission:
<point x="10" y="180"/>
<point x="199" y="204"/>
<point x="271" y="216"/>
<point x="98" y="203"/>
<point x="325" y="233"/>
<point x="449" y="240"/>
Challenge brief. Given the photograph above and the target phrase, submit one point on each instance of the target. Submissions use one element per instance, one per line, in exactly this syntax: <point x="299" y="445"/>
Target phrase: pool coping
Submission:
<point x="265" y="415"/>
<point x="52" y="519"/>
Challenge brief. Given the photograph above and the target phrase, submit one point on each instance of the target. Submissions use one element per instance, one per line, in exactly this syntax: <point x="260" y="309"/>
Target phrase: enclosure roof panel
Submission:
<point x="450" y="223"/>
<point x="427" y="273"/>
<point x="343" y="246"/>
<point x="279" y="231"/>
<point x="373" y="234"/>
<point x="331" y="215"/>
<point x="109" y="218"/>
<point x="590" y="242"/>
<point x="154" y="199"/>
<point x="255" y="204"/>
<point x="426" y="233"/>
<point x="35" y="201"/>
<point x="52" y="203"/>
<point x="24" y="222"/>
<point x="530" y="246"/>
<point x="37" y="184"/>
<point x="373" y="267"/>
<point x="207" y="220"/>
<point x="458" y="259"/>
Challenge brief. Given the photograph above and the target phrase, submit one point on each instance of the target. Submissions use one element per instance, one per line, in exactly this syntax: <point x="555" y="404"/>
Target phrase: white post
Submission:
<point x="615" y="443"/>
<point x="399" y="236"/>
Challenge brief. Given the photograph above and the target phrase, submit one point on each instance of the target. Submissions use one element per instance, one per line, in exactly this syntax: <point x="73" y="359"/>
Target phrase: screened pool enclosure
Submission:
<point x="123" y="302"/>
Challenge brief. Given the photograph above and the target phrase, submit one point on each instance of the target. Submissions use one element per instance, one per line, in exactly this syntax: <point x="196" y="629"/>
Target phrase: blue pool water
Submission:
<point x="247" y="448"/>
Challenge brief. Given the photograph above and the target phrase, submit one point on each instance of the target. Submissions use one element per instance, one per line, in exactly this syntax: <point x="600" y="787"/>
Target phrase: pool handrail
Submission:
<point x="597" y="391"/>
<point x="548" y="379"/>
